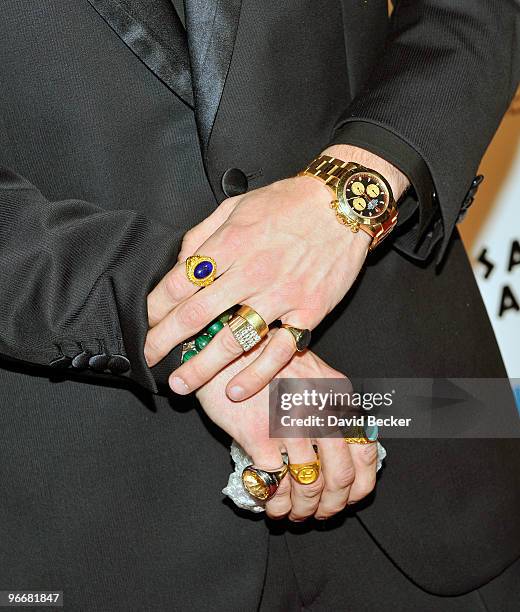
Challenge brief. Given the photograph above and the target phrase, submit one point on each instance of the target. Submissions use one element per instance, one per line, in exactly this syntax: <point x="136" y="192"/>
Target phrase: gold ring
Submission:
<point x="262" y="484"/>
<point x="305" y="473"/>
<point x="358" y="435"/>
<point x="248" y="327"/>
<point x="201" y="270"/>
<point x="302" y="337"/>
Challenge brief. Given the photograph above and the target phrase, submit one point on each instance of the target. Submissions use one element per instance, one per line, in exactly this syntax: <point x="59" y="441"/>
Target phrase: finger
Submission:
<point x="192" y="316"/>
<point x="222" y="350"/>
<point x="172" y="289"/>
<point x="304" y="497"/>
<point x="269" y="458"/>
<point x="280" y="505"/>
<point x="364" y="458"/>
<point x="338" y="473"/>
<point x="277" y="353"/>
<point x="175" y="287"/>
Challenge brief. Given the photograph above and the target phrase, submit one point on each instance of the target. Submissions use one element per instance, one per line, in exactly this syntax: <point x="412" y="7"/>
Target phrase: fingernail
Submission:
<point x="236" y="393"/>
<point x="177" y="385"/>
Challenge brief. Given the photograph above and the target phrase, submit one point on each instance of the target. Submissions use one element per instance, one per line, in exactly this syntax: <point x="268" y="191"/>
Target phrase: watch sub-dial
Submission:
<point x="373" y="190"/>
<point x="358" y="188"/>
<point x="359" y="204"/>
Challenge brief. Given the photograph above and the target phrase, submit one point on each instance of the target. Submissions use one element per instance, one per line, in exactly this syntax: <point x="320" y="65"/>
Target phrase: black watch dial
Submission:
<point x="366" y="194"/>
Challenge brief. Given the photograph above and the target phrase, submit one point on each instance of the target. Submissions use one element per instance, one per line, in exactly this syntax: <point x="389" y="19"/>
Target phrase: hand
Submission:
<point x="348" y="471"/>
<point x="279" y="250"/>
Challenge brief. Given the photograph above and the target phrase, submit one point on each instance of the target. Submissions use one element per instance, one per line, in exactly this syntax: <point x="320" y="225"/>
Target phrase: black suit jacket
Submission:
<point x="116" y="129"/>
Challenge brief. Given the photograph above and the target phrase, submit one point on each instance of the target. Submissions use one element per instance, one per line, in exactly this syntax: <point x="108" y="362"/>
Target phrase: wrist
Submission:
<point x="322" y="196"/>
<point x="396" y="179"/>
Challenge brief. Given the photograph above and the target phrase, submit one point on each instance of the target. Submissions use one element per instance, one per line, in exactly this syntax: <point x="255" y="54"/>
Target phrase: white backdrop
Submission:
<point x="491" y="233"/>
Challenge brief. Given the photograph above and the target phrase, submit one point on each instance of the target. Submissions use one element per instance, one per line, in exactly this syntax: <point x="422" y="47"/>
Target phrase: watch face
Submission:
<point x="366" y="195"/>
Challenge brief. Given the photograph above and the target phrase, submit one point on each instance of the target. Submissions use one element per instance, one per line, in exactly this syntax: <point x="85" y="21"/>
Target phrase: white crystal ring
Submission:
<point x="248" y="327"/>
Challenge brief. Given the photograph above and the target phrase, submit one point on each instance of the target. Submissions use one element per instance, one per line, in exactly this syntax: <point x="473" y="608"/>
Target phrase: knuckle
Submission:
<point x="192" y="315"/>
<point x="261" y="267"/>
<point x="284" y="491"/>
<point x="298" y="517"/>
<point x="254" y="379"/>
<point x="297" y="446"/>
<point x="343" y="477"/>
<point x="280" y="505"/>
<point x="229" y="204"/>
<point x="313" y="490"/>
<point x="152" y="347"/>
<point x="233" y="237"/>
<point x="152" y="343"/>
<point x="283" y="350"/>
<point x="198" y="372"/>
<point x="187" y="239"/>
<point x="228" y="342"/>
<point x="175" y="286"/>
<point x="328" y="511"/>
<point x="153" y="308"/>
<point x="361" y="492"/>
<point x="277" y="513"/>
<point x="316" y="301"/>
<point x="367" y="454"/>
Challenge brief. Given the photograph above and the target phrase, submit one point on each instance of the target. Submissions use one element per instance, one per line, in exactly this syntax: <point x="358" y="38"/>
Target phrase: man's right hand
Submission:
<point x="348" y="471"/>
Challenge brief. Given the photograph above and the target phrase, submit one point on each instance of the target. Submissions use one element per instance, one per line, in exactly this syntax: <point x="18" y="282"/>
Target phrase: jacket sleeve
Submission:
<point x="448" y="74"/>
<point x="73" y="283"/>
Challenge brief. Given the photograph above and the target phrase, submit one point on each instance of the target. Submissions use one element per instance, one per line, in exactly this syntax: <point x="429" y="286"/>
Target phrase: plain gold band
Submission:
<point x="254" y="319"/>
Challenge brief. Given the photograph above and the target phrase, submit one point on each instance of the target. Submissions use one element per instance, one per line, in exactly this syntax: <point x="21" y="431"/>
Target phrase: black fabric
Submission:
<point x="114" y="498"/>
<point x="156" y="35"/>
<point x="179" y="7"/>
<point x="360" y="577"/>
<point x="446" y="69"/>
<point x="113" y="493"/>
<point x="211" y="28"/>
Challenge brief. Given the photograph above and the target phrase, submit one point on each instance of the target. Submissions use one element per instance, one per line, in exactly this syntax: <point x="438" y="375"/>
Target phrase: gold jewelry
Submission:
<point x="357" y="435"/>
<point x="248" y="327"/>
<point x="305" y="473"/>
<point x="363" y="198"/>
<point x="302" y="337"/>
<point x="201" y="270"/>
<point x="262" y="484"/>
<point x="328" y="169"/>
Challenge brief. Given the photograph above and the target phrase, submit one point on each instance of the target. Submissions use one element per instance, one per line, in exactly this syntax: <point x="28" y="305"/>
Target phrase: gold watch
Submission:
<point x="363" y="198"/>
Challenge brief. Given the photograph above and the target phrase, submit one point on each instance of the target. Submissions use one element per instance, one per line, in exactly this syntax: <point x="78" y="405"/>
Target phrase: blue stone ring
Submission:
<point x="200" y="270"/>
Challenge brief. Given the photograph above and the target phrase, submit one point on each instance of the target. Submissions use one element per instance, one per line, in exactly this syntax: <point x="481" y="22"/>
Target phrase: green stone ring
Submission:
<point x="192" y="347"/>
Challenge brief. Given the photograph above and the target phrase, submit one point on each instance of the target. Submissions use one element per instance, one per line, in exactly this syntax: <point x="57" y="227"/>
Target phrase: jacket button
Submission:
<point x="80" y="361"/>
<point x="470" y="196"/>
<point x="99" y="363"/>
<point x="234" y="182"/>
<point x="118" y="364"/>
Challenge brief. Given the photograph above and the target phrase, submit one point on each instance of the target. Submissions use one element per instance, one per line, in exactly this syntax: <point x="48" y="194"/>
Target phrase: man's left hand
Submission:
<point x="281" y="251"/>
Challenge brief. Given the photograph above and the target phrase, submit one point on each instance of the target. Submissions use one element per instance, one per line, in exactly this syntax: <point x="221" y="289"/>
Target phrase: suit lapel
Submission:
<point x="154" y="32"/>
<point x="211" y="29"/>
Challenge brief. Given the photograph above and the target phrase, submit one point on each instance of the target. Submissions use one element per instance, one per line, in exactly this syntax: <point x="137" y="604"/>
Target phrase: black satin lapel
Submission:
<point x="155" y="34"/>
<point x="211" y="28"/>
